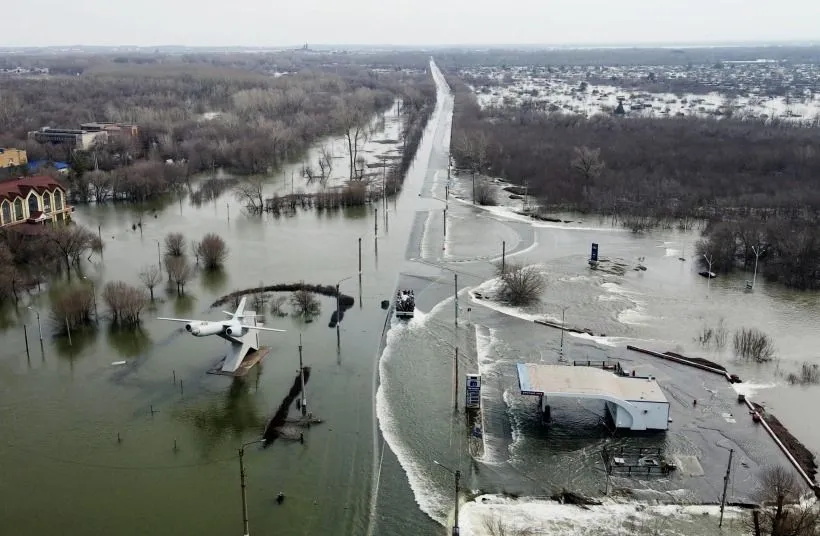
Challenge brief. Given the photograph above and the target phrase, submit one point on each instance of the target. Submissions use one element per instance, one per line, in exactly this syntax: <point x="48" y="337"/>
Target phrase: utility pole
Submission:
<point x="757" y="251"/>
<point x="303" y="404"/>
<point x="376" y="223"/>
<point x="229" y="210"/>
<point x="725" y="484"/>
<point x="457" y="476"/>
<point x="445" y="225"/>
<point x="455" y="381"/>
<point x="563" y="329"/>
<point x="474" y="186"/>
<point x="159" y="256"/>
<point x="709" y="275"/>
<point x="68" y="330"/>
<point x="245" y="529"/>
<point x="360" y="256"/>
<point x="455" y="294"/>
<point x="503" y="256"/>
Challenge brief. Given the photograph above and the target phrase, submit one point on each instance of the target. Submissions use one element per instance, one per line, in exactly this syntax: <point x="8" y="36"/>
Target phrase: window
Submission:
<point x="18" y="209"/>
<point x="46" y="202"/>
<point x="33" y="204"/>
<point x="58" y="200"/>
<point x="6" y="212"/>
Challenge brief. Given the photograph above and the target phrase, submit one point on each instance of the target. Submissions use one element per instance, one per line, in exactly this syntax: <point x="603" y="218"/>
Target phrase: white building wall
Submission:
<point x="656" y="414"/>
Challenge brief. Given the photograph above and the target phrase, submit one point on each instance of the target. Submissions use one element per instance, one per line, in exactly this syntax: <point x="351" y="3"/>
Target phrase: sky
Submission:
<point x="263" y="23"/>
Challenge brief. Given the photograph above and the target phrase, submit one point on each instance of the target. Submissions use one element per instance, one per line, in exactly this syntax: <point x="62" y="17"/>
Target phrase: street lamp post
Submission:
<point x="39" y="327"/>
<point x="159" y="256"/>
<point x="725" y="483"/>
<point x="757" y="251"/>
<point x="563" y="328"/>
<point x="245" y="530"/>
<point x="708" y="260"/>
<point x="457" y="476"/>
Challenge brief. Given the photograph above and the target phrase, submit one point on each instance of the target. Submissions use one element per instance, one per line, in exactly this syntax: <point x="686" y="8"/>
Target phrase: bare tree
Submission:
<point x="304" y="303"/>
<point x="151" y="276"/>
<point x="309" y="173"/>
<point x="782" y="513"/>
<point x="521" y="285"/>
<point x="249" y="193"/>
<point x="72" y="305"/>
<point x="174" y="244"/>
<point x="213" y="251"/>
<point x="125" y="302"/>
<point x="276" y="305"/>
<point x="325" y="163"/>
<point x="71" y="241"/>
<point x="179" y="271"/>
<point x="100" y="184"/>
<point x="353" y="119"/>
<point x="587" y="163"/>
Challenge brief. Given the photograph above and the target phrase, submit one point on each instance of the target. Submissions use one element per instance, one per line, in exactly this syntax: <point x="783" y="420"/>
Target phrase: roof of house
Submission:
<point x="564" y="380"/>
<point x="36" y="164"/>
<point x="24" y="185"/>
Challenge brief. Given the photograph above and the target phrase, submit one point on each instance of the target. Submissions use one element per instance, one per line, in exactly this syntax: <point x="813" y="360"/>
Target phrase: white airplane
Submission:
<point x="235" y="330"/>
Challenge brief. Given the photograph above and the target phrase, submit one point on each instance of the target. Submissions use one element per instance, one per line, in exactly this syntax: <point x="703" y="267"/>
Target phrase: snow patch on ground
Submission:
<point x="547" y="518"/>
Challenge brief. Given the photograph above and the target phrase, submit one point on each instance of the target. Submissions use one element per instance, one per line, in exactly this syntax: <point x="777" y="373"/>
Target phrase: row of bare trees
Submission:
<point x="786" y="248"/>
<point x="28" y="258"/>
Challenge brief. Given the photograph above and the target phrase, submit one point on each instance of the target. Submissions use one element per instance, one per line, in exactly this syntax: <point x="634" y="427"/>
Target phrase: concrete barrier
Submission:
<point x="679" y="360"/>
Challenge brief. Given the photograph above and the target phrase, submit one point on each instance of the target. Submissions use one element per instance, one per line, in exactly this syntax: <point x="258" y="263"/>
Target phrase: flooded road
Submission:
<point x="150" y="446"/>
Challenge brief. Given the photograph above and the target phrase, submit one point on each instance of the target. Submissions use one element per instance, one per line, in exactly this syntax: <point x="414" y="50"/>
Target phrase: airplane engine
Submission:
<point x="201" y="329"/>
<point x="233" y="331"/>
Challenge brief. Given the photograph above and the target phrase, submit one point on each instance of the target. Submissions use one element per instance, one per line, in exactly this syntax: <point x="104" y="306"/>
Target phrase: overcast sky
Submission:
<point x="409" y="22"/>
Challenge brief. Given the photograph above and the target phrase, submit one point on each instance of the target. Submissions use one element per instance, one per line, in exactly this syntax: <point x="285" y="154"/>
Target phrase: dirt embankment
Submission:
<point x="345" y="301"/>
<point x="802" y="454"/>
<point x="698" y="360"/>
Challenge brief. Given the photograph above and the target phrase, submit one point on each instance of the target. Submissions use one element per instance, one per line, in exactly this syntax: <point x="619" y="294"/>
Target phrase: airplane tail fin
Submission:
<point x="241" y="309"/>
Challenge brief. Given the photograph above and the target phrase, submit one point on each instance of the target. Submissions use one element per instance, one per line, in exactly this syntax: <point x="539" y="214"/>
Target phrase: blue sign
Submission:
<point x="594" y="255"/>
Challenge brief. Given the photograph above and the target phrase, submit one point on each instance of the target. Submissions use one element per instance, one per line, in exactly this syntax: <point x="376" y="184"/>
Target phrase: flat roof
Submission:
<point x="566" y="380"/>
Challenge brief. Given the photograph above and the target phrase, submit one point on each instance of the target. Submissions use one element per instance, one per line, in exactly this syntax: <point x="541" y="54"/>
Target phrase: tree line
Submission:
<point x="257" y="121"/>
<point x="757" y="183"/>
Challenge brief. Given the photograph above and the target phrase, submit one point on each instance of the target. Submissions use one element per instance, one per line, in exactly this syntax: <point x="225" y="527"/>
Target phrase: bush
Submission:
<point x="276" y="305"/>
<point x="809" y="374"/>
<point x="72" y="304"/>
<point x="212" y="250"/>
<point x="304" y="303"/>
<point x="485" y="195"/>
<point x="714" y="336"/>
<point x="175" y="244"/>
<point x="179" y="271"/>
<point x="751" y="343"/>
<point x="124" y="301"/>
<point x="521" y="285"/>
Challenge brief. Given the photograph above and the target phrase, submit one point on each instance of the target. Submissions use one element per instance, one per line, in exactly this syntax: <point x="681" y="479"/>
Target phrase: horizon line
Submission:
<point x="547" y="46"/>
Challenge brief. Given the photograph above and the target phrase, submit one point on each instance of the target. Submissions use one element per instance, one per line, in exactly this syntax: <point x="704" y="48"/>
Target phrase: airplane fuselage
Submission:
<point x="204" y="328"/>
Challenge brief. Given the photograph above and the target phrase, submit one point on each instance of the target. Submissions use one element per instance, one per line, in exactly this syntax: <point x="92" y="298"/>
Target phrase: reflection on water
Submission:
<point x="233" y="416"/>
<point x="81" y="339"/>
<point x="184" y="304"/>
<point x="213" y="280"/>
<point x="128" y="342"/>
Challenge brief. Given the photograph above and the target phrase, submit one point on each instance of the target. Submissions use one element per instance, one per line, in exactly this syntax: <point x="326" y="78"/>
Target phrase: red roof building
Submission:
<point x="33" y="200"/>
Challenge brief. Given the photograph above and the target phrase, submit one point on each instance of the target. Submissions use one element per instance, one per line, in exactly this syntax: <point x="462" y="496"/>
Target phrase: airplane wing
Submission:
<point x="264" y="329"/>
<point x="178" y="319"/>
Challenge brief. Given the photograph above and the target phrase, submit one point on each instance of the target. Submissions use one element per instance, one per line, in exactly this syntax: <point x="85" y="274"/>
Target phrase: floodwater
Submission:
<point x="150" y="446"/>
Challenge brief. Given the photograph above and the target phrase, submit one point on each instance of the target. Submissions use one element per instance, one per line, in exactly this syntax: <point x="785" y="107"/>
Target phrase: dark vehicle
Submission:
<point x="405" y="304"/>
